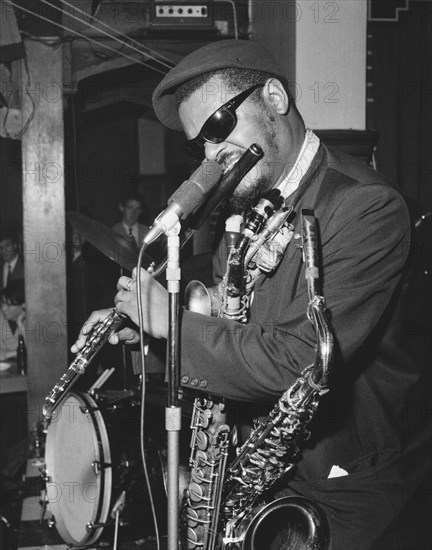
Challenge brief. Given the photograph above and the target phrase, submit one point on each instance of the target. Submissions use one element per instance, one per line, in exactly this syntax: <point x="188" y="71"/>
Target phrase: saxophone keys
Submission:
<point x="195" y="537"/>
<point x="257" y="460"/>
<point x="273" y="460"/>
<point x="198" y="492"/>
<point x="202" y="441"/>
<point x="204" y="419"/>
<point x="192" y="516"/>
<point x="281" y="452"/>
<point x="202" y="459"/>
<point x="198" y="476"/>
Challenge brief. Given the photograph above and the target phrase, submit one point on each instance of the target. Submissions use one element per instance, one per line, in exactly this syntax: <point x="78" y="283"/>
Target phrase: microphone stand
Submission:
<point x="173" y="411"/>
<point x="179" y="207"/>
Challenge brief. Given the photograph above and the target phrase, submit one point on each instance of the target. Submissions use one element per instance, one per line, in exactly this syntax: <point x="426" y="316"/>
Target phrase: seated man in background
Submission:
<point x="129" y="227"/>
<point x="12" y="318"/>
<point x="12" y="266"/>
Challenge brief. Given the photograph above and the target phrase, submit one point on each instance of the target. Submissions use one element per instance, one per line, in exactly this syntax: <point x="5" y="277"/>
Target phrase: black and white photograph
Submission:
<point x="216" y="257"/>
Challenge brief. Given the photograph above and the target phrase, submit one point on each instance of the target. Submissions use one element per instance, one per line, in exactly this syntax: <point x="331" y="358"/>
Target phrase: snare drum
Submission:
<point x="92" y="456"/>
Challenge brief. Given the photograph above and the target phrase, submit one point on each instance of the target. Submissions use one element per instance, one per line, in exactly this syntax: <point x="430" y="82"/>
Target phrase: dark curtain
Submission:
<point x="400" y="99"/>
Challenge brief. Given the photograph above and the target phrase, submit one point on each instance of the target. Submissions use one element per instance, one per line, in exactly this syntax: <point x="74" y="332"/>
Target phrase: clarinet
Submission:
<point x="94" y="343"/>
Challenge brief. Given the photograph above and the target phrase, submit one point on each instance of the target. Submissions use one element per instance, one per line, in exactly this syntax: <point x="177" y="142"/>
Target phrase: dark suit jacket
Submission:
<point x="155" y="251"/>
<point x="370" y="423"/>
<point x="120" y="229"/>
<point x="17" y="273"/>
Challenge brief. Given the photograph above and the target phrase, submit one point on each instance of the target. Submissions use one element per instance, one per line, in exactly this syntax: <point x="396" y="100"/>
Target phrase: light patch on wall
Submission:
<point x="151" y="147"/>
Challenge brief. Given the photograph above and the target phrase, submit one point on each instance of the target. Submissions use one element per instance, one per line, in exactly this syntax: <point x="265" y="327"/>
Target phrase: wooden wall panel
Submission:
<point x="44" y="226"/>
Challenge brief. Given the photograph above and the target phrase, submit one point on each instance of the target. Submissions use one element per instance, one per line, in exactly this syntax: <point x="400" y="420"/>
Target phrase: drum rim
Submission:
<point x="102" y="442"/>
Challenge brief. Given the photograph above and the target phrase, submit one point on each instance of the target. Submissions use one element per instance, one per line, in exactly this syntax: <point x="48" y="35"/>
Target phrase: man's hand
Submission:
<point x="154" y="302"/>
<point x="128" y="335"/>
<point x="155" y="311"/>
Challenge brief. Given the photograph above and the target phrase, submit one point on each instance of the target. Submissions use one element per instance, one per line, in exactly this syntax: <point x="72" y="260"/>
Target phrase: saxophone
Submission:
<point x="211" y="437"/>
<point x="240" y="518"/>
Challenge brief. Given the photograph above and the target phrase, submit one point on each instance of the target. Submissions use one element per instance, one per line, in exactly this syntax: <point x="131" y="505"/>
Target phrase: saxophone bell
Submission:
<point x="202" y="299"/>
<point x="288" y="523"/>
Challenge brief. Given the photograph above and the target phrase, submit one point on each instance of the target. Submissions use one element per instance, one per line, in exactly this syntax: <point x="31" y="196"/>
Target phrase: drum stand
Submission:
<point x="115" y="514"/>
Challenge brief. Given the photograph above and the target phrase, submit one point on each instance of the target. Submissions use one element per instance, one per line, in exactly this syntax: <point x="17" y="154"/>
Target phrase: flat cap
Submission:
<point x="240" y="54"/>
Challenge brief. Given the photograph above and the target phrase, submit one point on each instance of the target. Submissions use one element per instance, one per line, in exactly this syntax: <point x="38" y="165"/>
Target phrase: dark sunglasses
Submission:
<point x="218" y="126"/>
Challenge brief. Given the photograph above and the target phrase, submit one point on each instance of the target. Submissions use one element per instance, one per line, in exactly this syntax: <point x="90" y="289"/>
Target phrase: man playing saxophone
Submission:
<point x="367" y="457"/>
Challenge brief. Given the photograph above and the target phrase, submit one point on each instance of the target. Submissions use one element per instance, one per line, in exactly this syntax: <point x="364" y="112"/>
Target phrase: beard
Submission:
<point x="243" y="200"/>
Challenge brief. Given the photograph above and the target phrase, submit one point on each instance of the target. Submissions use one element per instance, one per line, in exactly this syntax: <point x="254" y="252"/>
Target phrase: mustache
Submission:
<point x="226" y="159"/>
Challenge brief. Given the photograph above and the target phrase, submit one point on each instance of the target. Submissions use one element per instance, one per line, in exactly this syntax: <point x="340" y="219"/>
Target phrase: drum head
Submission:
<point x="78" y="491"/>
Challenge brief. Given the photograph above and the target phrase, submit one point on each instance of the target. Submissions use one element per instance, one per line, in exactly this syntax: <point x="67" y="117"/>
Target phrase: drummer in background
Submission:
<point x="130" y="228"/>
<point x="131" y="209"/>
<point x="12" y="318"/>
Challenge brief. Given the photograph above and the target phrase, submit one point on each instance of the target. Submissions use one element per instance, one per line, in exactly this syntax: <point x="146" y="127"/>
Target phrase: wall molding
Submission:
<point x="386" y="11"/>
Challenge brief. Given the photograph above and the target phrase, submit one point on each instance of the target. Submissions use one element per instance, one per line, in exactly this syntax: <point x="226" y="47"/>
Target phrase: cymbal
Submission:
<point x="116" y="247"/>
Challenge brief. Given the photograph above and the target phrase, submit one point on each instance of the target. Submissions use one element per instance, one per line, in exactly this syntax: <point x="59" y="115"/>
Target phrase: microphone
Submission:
<point x="186" y="200"/>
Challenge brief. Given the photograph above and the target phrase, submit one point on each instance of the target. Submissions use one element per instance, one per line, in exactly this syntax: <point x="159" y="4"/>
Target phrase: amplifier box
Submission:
<point x="182" y="15"/>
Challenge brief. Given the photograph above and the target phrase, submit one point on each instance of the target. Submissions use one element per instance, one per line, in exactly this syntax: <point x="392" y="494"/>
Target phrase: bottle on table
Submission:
<point x="21" y="356"/>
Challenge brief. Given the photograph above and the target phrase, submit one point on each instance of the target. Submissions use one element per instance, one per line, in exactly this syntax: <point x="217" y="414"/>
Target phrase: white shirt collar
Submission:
<point x="302" y="164"/>
<point x="13" y="263"/>
<point x="127" y="227"/>
<point x="134" y="228"/>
